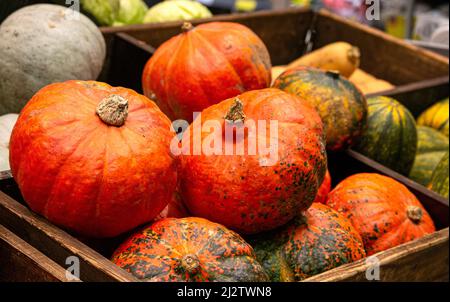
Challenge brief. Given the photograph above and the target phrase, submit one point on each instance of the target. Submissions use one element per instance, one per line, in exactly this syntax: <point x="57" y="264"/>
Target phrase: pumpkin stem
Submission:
<point x="414" y="213"/>
<point x="187" y="26"/>
<point x="113" y="110"/>
<point x="190" y="263"/>
<point x="354" y="55"/>
<point x="236" y="112"/>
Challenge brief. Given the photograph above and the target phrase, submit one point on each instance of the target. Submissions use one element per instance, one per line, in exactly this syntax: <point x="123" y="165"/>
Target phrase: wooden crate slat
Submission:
<point x="20" y="262"/>
<point x="424" y="259"/>
<point x="56" y="243"/>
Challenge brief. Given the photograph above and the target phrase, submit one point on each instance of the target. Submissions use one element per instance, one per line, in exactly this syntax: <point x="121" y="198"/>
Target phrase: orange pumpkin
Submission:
<point x="383" y="211"/>
<point x="188" y="249"/>
<point x="256" y="192"/>
<point x="205" y="65"/>
<point x="93" y="158"/>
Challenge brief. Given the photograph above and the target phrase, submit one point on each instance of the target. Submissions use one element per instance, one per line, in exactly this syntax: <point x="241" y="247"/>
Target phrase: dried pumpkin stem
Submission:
<point x="190" y="263"/>
<point x="187" y="26"/>
<point x="113" y="110"/>
<point x="236" y="112"/>
<point x="414" y="213"/>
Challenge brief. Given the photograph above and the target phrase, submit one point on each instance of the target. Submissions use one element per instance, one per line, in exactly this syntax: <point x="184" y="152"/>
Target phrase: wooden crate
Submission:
<point x="284" y="33"/>
<point x="424" y="259"/>
<point x="21" y="262"/>
<point x="126" y="58"/>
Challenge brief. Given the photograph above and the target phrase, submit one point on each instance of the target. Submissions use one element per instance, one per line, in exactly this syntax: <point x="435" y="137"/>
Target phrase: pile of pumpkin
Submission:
<point x="97" y="160"/>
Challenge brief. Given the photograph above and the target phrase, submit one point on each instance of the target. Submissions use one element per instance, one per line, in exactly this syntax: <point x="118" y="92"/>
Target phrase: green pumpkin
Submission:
<point x="431" y="146"/>
<point x="436" y="117"/>
<point x="439" y="179"/>
<point x="341" y="106"/>
<point x="316" y="241"/>
<point x="391" y="135"/>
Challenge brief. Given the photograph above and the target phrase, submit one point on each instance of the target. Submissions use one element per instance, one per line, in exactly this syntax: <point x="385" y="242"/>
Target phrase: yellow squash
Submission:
<point x="436" y="117"/>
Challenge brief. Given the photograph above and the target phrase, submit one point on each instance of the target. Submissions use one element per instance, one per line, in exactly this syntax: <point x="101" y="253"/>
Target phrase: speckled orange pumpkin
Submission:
<point x="204" y="65"/>
<point x="318" y="240"/>
<point x="382" y="210"/>
<point x="254" y="193"/>
<point x="188" y="249"/>
<point x="93" y="158"/>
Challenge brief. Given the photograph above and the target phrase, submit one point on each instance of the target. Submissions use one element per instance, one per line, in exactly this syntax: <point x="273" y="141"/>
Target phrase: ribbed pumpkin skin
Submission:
<point x="205" y="65"/>
<point x="80" y="173"/>
<point x="379" y="209"/>
<point x="341" y="106"/>
<point x="157" y="253"/>
<point x="439" y="179"/>
<point x="324" y="189"/>
<point x="318" y="240"/>
<point x="431" y="146"/>
<point x="436" y="117"/>
<point x="391" y="135"/>
<point x="235" y="190"/>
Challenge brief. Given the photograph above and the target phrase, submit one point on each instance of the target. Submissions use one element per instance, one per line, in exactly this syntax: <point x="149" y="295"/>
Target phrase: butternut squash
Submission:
<point x="339" y="56"/>
<point x="368" y="83"/>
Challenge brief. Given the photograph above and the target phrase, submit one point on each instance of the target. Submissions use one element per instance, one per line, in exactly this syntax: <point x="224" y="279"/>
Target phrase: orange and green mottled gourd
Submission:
<point x="189" y="249"/>
<point x="253" y="189"/>
<point x="436" y="117"/>
<point x="439" y="179"/>
<point x="93" y="158"/>
<point x="382" y="210"/>
<point x="324" y="189"/>
<point x="391" y="135"/>
<point x="205" y="65"/>
<point x="318" y="240"/>
<point x="431" y="146"/>
<point x="340" y="104"/>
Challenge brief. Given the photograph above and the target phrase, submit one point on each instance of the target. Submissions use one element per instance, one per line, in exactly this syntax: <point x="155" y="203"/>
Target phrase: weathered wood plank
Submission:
<point x="20" y="262"/>
<point x="56" y="243"/>
<point x="424" y="259"/>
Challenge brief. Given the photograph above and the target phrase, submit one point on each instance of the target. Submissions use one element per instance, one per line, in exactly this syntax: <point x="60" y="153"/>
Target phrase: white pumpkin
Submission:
<point x="7" y="123"/>
<point x="44" y="43"/>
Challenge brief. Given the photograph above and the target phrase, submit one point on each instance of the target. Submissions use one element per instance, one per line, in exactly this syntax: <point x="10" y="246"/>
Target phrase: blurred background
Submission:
<point x="424" y="23"/>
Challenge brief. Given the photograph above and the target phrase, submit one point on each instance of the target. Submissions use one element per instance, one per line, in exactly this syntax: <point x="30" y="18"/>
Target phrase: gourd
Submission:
<point x="7" y="122"/>
<point x="316" y="241"/>
<point x="383" y="211"/>
<point x="189" y="249"/>
<point x="176" y="10"/>
<point x="431" y="146"/>
<point x="391" y="135"/>
<point x="436" y="117"/>
<point x="253" y="190"/>
<point x="339" y="56"/>
<point x="341" y="106"/>
<point x="439" y="178"/>
<point x="43" y="44"/>
<point x="203" y="66"/>
<point x="367" y="83"/>
<point x="92" y="158"/>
